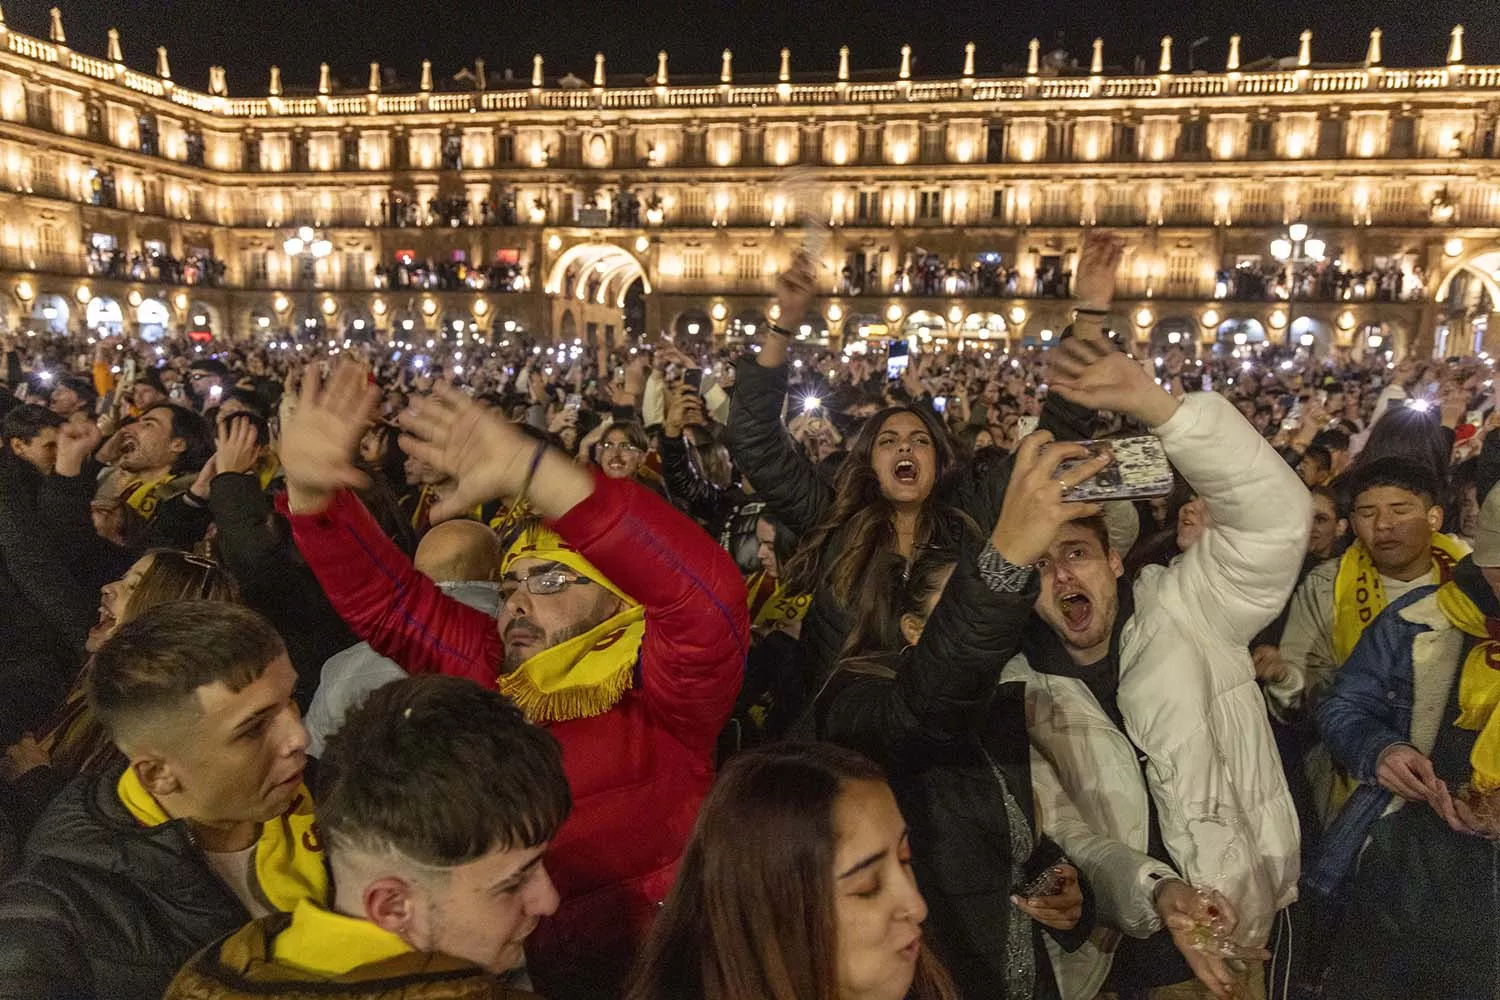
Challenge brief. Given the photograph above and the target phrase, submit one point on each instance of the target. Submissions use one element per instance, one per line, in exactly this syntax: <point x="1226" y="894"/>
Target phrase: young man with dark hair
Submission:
<point x="1396" y="512"/>
<point x="204" y="824"/>
<point x="156" y="458"/>
<point x="30" y="433"/>
<point x="437" y="801"/>
<point x="1137" y="689"/>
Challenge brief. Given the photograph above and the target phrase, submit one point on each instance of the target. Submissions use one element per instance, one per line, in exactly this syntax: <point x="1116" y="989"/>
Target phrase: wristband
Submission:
<point x="536" y="460"/>
<point x="783" y="331"/>
<point x="1079" y="310"/>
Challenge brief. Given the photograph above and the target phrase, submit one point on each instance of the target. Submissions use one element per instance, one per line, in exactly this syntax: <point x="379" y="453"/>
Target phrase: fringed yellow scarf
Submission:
<point x="586" y="675"/>
<point x="769" y="604"/>
<point x="1478" y="684"/>
<point x="288" y="855"/>
<point x="1359" y="596"/>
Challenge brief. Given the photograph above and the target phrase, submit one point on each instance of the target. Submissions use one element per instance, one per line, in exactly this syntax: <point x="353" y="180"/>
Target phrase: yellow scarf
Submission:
<point x="331" y="944"/>
<point x="288" y="855"/>
<point x="1478" y="684"/>
<point x="770" y="604"/>
<point x="421" y="516"/>
<point x="143" y="496"/>
<point x="1359" y="596"/>
<point x="588" y="674"/>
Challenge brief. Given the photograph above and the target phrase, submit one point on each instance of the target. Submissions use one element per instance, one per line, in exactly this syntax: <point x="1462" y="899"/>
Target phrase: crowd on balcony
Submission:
<point x="987" y="276"/>
<point x="194" y="269"/>
<point x="450" y="276"/>
<point x="406" y="211"/>
<point x="1323" y="280"/>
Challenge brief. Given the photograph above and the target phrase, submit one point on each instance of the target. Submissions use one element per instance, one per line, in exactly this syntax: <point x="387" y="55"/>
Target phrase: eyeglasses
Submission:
<point x="624" y="447"/>
<point x="541" y="582"/>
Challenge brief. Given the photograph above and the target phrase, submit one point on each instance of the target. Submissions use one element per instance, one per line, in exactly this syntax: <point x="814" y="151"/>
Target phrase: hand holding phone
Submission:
<point x="1140" y="471"/>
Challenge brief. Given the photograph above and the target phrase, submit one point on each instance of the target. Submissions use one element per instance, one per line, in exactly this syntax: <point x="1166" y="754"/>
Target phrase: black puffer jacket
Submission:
<point x="955" y="748"/>
<point x="103" y="908"/>
<point x="800" y="498"/>
<point x="728" y="513"/>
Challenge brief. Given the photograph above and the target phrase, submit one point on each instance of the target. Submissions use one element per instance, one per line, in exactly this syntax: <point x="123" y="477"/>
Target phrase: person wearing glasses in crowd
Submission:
<point x="622" y="628"/>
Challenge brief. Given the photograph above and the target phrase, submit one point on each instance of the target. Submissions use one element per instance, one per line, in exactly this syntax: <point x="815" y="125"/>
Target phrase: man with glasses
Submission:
<point x="622" y="628"/>
<point x="209" y="380"/>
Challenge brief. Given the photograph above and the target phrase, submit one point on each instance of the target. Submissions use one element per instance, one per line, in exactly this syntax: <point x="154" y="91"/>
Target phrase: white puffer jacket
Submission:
<point x="1191" y="704"/>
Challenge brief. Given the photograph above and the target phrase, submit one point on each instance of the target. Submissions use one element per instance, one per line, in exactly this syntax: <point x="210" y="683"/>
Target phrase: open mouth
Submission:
<point x="106" y="621"/>
<point x="1077" y="611"/>
<point x="905" y="471"/>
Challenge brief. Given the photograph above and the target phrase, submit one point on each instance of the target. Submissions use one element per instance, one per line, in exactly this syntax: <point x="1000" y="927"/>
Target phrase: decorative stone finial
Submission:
<point x="1304" y="49"/>
<point x="598" y="69"/>
<point x="374" y="77"/>
<point x="661" y="68"/>
<point x="1455" y="45"/>
<point x="275" y="89"/>
<point x="1233" y="64"/>
<point x="217" y="84"/>
<point x="1033" y="57"/>
<point x="844" y="63"/>
<point x="785" y="73"/>
<point x="536" y="71"/>
<point x="1165" y="66"/>
<point x="323" y="81"/>
<point x="726" y="67"/>
<point x="112" y="48"/>
<point x="55" y="29"/>
<point x="969" y="61"/>
<point x="1096" y="64"/>
<point x="426" y="74"/>
<point x="1373" y="56"/>
<point x="905" y="73"/>
<point x="163" y="68"/>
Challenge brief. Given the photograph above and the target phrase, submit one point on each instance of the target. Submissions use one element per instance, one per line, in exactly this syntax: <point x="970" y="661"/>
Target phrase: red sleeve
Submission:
<point x="697" y="625"/>
<point x="398" y="611"/>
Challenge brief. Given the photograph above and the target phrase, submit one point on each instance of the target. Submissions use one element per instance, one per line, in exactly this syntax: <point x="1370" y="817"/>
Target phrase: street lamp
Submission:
<point x="1293" y="250"/>
<point x="308" y="247"/>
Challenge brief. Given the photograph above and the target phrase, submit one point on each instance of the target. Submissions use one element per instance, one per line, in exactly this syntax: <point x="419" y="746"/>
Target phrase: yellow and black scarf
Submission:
<point x="1359" y="596"/>
<point x="288" y="855"/>
<point x="770" y="604"/>
<point x="588" y="674"/>
<point x="1478" y="683"/>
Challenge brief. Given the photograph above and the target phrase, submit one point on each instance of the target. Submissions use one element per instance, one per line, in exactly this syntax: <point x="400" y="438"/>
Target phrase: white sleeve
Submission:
<point x="1239" y="575"/>
<point x="654" y="402"/>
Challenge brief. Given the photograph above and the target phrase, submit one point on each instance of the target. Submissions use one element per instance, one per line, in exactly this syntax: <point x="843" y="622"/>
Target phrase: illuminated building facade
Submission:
<point x="947" y="209"/>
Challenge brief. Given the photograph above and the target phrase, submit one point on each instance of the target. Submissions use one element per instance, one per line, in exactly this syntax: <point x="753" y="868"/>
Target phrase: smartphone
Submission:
<point x="128" y="371"/>
<point x="940" y="403"/>
<point x="573" y="402"/>
<point x="215" y="391"/>
<point x="1140" y="471"/>
<point x="898" y="354"/>
<point x="693" y="379"/>
<point x="1026" y="425"/>
<point x="1208" y="383"/>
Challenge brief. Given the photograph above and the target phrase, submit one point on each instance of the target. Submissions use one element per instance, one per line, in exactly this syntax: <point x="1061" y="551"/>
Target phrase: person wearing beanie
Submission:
<point x="1410" y="861"/>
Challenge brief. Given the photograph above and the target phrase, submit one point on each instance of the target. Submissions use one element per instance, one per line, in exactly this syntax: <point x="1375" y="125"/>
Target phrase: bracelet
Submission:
<point x="536" y="460"/>
<point x="778" y="329"/>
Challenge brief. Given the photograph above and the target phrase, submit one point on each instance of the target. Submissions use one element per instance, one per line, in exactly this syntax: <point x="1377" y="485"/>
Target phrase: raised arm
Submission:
<point x="1239" y="575"/>
<point x="697" y="628"/>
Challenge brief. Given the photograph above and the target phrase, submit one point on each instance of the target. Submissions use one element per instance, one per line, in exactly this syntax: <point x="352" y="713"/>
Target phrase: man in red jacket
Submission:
<point x="623" y="630"/>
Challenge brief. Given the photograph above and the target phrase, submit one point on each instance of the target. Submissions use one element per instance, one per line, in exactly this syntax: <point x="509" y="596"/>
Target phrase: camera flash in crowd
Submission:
<point x="810" y="403"/>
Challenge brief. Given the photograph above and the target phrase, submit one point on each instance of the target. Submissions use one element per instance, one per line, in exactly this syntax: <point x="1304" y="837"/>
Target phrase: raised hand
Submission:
<point x="320" y="436"/>
<point x="1095" y="375"/>
<point x="483" y="453"/>
<point x="237" y="451"/>
<point x="1094" y="281"/>
<point x="795" y="288"/>
<point x="76" y="441"/>
<point x="1034" y="507"/>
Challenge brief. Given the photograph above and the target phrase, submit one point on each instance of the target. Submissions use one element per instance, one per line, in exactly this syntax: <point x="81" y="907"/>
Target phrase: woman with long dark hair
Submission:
<point x="796" y="885"/>
<point x="897" y="492"/>
<point x="922" y="697"/>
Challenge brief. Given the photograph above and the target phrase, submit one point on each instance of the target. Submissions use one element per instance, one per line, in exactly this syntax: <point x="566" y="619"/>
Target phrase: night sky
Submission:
<point x="246" y="36"/>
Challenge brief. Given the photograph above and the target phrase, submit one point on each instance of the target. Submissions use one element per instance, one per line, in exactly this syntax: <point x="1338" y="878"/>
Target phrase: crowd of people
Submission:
<point x="406" y="210"/>
<point x="194" y="269"/>
<point x="634" y="671"/>
<point x="1322" y="280"/>
<point x="450" y="276"/>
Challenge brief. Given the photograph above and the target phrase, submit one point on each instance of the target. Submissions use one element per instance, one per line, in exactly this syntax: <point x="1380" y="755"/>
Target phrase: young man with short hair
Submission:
<point x="1397" y="517"/>
<point x="437" y="801"/>
<point x="1164" y="777"/>
<point x="30" y="433"/>
<point x="156" y="457"/>
<point x="203" y="826"/>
